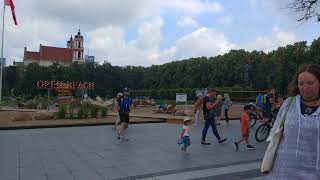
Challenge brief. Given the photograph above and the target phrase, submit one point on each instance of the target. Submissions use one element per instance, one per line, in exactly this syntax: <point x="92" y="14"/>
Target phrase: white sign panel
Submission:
<point x="181" y="97"/>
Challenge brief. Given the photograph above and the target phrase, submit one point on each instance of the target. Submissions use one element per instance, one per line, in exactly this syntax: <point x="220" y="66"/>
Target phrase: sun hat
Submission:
<point x="185" y="119"/>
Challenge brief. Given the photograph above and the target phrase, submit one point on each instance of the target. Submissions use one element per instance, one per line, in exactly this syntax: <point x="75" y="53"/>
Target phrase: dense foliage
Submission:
<point x="274" y="69"/>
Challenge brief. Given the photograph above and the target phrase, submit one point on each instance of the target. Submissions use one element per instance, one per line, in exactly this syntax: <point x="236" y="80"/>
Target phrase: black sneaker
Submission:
<point x="205" y="143"/>
<point x="236" y="145"/>
<point x="223" y="140"/>
<point x="250" y="147"/>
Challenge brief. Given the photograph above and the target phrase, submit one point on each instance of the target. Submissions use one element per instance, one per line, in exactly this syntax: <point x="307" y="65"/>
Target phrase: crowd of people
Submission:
<point x="297" y="152"/>
<point x="297" y="155"/>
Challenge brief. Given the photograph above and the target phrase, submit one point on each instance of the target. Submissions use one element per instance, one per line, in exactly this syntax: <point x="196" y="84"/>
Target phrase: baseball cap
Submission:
<point x="125" y="90"/>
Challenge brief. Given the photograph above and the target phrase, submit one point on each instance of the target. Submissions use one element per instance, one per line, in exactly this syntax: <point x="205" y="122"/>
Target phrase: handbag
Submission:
<point x="180" y="141"/>
<point x="268" y="158"/>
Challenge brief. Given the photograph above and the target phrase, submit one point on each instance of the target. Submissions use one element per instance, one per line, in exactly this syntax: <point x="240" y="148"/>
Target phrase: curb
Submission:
<point x="74" y="125"/>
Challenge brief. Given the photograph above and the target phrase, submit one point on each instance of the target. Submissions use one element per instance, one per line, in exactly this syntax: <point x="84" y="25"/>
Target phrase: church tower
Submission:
<point x="77" y="47"/>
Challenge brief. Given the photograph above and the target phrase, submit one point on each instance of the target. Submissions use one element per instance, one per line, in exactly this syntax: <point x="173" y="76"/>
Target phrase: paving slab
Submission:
<point x="94" y="152"/>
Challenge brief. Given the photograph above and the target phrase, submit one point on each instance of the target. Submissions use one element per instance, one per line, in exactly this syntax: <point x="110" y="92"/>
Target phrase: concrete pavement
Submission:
<point x="94" y="153"/>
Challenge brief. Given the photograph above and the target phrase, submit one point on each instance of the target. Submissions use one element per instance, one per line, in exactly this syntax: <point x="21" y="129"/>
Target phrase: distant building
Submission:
<point x="4" y="61"/>
<point x="47" y="55"/>
<point x="89" y="59"/>
<point x="18" y="64"/>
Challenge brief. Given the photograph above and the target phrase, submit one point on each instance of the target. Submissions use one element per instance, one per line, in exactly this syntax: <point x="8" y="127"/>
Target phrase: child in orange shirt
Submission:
<point x="245" y="126"/>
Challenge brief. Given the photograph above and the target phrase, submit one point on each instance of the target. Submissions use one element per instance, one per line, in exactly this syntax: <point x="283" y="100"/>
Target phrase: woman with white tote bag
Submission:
<point x="294" y="150"/>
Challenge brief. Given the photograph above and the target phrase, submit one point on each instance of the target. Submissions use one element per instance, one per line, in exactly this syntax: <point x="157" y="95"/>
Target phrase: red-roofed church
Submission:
<point x="65" y="56"/>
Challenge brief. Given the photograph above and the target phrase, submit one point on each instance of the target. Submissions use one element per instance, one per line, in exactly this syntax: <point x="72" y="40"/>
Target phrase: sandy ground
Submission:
<point x="138" y="114"/>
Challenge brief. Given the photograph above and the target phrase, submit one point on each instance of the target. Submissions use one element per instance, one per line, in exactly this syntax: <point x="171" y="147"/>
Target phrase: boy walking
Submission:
<point x="185" y="134"/>
<point x="245" y="126"/>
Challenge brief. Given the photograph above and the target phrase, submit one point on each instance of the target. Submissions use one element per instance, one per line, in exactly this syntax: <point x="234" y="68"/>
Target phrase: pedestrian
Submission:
<point x="269" y="104"/>
<point x="278" y="104"/>
<point x="185" y="134"/>
<point x="259" y="104"/>
<point x="124" y="103"/>
<point x="227" y="106"/>
<point x="217" y="109"/>
<point x="245" y="128"/>
<point x="116" y="105"/>
<point x="198" y="109"/>
<point x="208" y="104"/>
<point x="298" y="152"/>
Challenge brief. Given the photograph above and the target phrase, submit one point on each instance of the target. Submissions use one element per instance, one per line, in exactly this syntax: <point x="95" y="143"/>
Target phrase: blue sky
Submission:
<point x="146" y="32"/>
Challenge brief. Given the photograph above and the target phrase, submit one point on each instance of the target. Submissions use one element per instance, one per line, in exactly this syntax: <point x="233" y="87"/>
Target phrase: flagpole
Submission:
<point x="4" y="10"/>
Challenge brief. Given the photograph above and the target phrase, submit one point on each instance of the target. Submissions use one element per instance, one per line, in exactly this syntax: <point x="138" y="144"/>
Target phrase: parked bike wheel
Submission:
<point x="262" y="132"/>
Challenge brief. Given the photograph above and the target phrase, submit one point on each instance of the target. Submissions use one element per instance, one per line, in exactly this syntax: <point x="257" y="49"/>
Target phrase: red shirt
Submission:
<point x="244" y="123"/>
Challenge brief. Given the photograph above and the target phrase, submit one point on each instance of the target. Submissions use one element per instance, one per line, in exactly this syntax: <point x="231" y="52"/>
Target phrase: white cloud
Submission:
<point x="103" y="23"/>
<point x="187" y="21"/>
<point x="99" y="13"/>
<point x="95" y="13"/>
<point x="149" y="34"/>
<point x="277" y="38"/>
<point x="108" y="44"/>
<point x="203" y="42"/>
<point x="192" y="6"/>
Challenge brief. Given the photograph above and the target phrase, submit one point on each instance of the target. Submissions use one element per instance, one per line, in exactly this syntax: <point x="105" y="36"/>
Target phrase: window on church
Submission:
<point x="79" y="55"/>
<point x="79" y="44"/>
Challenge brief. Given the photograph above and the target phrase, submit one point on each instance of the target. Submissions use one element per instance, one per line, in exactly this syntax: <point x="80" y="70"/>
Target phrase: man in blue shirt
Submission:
<point x="259" y="101"/>
<point x="124" y="103"/>
<point x="270" y="102"/>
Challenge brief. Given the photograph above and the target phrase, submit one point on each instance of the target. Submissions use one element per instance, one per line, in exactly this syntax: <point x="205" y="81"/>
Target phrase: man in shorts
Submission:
<point x="124" y="103"/>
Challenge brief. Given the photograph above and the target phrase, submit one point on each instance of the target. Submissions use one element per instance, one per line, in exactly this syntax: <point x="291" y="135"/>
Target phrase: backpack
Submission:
<point x="264" y="99"/>
<point x="124" y="104"/>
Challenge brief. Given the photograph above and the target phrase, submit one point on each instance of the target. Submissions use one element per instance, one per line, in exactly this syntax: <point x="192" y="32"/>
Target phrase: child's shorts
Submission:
<point x="245" y="135"/>
<point x="186" y="140"/>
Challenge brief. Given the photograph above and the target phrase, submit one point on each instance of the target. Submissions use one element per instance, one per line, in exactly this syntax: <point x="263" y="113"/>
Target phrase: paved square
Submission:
<point x="94" y="153"/>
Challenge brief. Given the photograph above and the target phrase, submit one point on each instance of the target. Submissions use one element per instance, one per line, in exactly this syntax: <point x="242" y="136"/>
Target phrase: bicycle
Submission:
<point x="256" y="114"/>
<point x="264" y="129"/>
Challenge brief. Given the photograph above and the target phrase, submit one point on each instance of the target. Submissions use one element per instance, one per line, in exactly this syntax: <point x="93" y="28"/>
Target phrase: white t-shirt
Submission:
<point x="186" y="130"/>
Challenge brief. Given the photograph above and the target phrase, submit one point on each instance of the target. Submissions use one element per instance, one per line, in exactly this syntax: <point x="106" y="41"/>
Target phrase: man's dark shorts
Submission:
<point x="124" y="118"/>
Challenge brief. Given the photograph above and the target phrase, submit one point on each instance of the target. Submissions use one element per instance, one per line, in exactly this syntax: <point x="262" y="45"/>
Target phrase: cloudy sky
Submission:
<point x="146" y="32"/>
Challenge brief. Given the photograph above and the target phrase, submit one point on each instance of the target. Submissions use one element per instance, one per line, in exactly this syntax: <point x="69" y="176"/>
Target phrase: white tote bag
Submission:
<point x="273" y="145"/>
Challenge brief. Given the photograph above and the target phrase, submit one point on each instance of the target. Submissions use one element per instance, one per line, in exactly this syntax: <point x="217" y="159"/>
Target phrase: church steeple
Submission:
<point x="78" y="47"/>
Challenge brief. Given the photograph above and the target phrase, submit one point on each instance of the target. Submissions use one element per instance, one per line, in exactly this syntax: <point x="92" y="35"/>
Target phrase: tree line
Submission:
<point x="236" y="70"/>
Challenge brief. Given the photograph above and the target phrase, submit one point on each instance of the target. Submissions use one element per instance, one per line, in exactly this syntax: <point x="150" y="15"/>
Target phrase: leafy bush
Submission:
<point x="86" y="109"/>
<point x="80" y="112"/>
<point x="94" y="110"/>
<point x="62" y="112"/>
<point x="104" y="112"/>
<point x="71" y="110"/>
